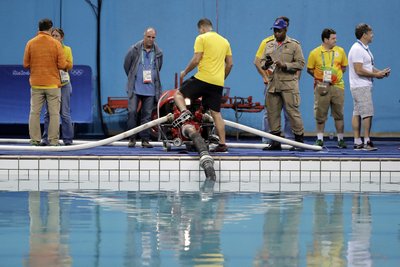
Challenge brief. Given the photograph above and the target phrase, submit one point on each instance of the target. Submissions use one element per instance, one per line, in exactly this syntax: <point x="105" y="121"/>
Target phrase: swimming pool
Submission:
<point x="117" y="228"/>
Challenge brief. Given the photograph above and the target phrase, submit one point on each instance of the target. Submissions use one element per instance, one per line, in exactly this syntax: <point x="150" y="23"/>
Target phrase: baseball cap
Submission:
<point x="279" y="24"/>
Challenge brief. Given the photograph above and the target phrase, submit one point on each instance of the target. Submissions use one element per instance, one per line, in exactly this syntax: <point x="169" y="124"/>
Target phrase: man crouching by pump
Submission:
<point x="213" y="57"/>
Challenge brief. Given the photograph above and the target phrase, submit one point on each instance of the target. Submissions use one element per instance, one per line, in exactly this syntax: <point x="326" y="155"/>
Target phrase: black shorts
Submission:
<point x="211" y="94"/>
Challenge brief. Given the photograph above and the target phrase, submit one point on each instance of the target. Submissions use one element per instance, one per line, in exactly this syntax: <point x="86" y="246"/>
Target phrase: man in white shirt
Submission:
<point x="361" y="74"/>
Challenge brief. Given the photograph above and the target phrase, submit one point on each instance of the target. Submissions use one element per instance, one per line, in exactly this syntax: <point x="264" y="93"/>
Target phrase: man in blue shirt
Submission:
<point x="142" y="65"/>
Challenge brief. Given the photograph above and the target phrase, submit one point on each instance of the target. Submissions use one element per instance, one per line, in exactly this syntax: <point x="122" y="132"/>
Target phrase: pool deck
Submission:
<point x="117" y="167"/>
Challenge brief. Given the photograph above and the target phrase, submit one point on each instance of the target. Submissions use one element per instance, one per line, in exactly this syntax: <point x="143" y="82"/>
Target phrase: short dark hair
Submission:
<point x="326" y="33"/>
<point x="45" y="24"/>
<point x="361" y="29"/>
<point x="286" y="19"/>
<point x="59" y="30"/>
<point x="204" y="22"/>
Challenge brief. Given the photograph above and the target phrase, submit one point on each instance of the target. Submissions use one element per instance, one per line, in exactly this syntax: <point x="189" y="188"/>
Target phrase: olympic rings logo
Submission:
<point x="77" y="72"/>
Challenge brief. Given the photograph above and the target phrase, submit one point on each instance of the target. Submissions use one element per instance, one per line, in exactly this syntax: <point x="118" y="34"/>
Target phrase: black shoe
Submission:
<point x="369" y="146"/>
<point x="44" y="143"/>
<point x="274" y="146"/>
<point x="358" y="147"/>
<point x="298" y="149"/>
<point x="146" y="144"/>
<point x="67" y="142"/>
<point x="132" y="143"/>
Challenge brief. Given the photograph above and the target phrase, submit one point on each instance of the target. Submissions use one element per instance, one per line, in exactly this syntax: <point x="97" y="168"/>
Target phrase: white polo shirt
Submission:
<point x="359" y="53"/>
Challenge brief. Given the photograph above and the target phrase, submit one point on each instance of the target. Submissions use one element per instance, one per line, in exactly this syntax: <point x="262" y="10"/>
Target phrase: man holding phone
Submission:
<point x="362" y="71"/>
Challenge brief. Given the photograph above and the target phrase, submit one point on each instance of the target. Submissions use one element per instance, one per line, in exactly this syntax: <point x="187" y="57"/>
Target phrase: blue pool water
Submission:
<point x="182" y="229"/>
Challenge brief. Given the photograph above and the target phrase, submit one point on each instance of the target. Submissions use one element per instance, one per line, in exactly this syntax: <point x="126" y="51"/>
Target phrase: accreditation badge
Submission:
<point x="64" y="77"/>
<point x="327" y="76"/>
<point x="147" y="76"/>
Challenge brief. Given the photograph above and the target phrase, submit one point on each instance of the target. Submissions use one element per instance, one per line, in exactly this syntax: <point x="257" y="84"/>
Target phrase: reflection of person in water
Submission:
<point x="358" y="251"/>
<point x="182" y="222"/>
<point x="328" y="243"/>
<point x="142" y="237"/>
<point x="200" y="226"/>
<point x="281" y="225"/>
<point x="46" y="245"/>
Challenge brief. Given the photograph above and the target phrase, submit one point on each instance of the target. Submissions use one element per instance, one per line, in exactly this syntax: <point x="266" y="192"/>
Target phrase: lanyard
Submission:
<point x="366" y="49"/>
<point x="323" y="58"/>
<point x="151" y="57"/>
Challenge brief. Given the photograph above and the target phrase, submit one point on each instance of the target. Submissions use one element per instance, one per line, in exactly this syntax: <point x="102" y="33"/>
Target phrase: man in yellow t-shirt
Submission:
<point x="326" y="64"/>
<point x="213" y="57"/>
<point x="259" y="62"/>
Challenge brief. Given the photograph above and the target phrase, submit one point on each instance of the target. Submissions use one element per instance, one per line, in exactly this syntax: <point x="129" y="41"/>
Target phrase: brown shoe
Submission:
<point x="220" y="148"/>
<point x="146" y="144"/>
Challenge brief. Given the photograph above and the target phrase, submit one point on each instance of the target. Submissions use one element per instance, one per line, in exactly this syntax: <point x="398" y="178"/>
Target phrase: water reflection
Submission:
<point x="328" y="240"/>
<point x="280" y="232"/>
<point x="48" y="247"/>
<point x="358" y="252"/>
<point x="179" y="229"/>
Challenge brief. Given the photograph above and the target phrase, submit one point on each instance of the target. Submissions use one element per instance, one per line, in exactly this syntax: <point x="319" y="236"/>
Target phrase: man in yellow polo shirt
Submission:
<point x="327" y="63"/>
<point x="213" y="57"/>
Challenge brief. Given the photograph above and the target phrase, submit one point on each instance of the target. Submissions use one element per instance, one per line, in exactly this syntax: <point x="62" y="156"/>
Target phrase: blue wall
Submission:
<point x="244" y="23"/>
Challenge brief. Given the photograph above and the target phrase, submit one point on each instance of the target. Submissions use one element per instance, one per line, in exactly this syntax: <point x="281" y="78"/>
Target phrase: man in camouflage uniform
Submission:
<point x="283" y="59"/>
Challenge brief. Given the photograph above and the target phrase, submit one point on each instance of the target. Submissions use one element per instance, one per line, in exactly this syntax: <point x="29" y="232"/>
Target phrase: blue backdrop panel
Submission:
<point x="15" y="94"/>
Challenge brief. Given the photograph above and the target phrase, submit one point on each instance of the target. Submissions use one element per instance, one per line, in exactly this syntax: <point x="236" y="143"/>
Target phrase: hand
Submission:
<point x="280" y="64"/>
<point x="380" y="74"/>
<point x="183" y="74"/>
<point x="387" y="72"/>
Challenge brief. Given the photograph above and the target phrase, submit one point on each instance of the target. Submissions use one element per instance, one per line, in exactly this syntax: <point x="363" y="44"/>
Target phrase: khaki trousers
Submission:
<point x="275" y="103"/>
<point x="38" y="98"/>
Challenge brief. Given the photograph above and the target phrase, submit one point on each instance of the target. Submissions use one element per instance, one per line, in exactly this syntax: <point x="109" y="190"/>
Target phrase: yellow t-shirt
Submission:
<point x="261" y="48"/>
<point x="215" y="48"/>
<point x="339" y="60"/>
<point x="68" y="57"/>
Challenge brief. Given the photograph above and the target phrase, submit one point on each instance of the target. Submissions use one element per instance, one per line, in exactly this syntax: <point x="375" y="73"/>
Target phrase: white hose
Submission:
<point x="271" y="136"/>
<point x="168" y="117"/>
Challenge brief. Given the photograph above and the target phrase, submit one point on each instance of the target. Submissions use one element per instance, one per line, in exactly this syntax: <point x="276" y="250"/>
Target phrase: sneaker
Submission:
<point x="319" y="142"/>
<point x="220" y="148"/>
<point x="132" y="143"/>
<point x="146" y="144"/>
<point x="185" y="116"/>
<point x="34" y="143"/>
<point x="369" y="146"/>
<point x="358" y="147"/>
<point x="341" y="144"/>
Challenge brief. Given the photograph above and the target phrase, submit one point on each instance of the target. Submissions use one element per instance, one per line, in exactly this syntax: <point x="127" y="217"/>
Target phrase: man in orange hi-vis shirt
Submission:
<point x="44" y="56"/>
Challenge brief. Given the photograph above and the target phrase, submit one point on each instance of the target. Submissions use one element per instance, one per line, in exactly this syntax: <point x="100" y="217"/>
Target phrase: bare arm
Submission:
<point x="228" y="65"/>
<point x="310" y="71"/>
<point x="358" y="68"/>
<point x="257" y="63"/>
<point x="192" y="64"/>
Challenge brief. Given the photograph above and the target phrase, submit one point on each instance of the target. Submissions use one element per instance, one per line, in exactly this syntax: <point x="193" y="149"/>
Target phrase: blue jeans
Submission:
<point x="67" y="129"/>
<point x="146" y="110"/>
